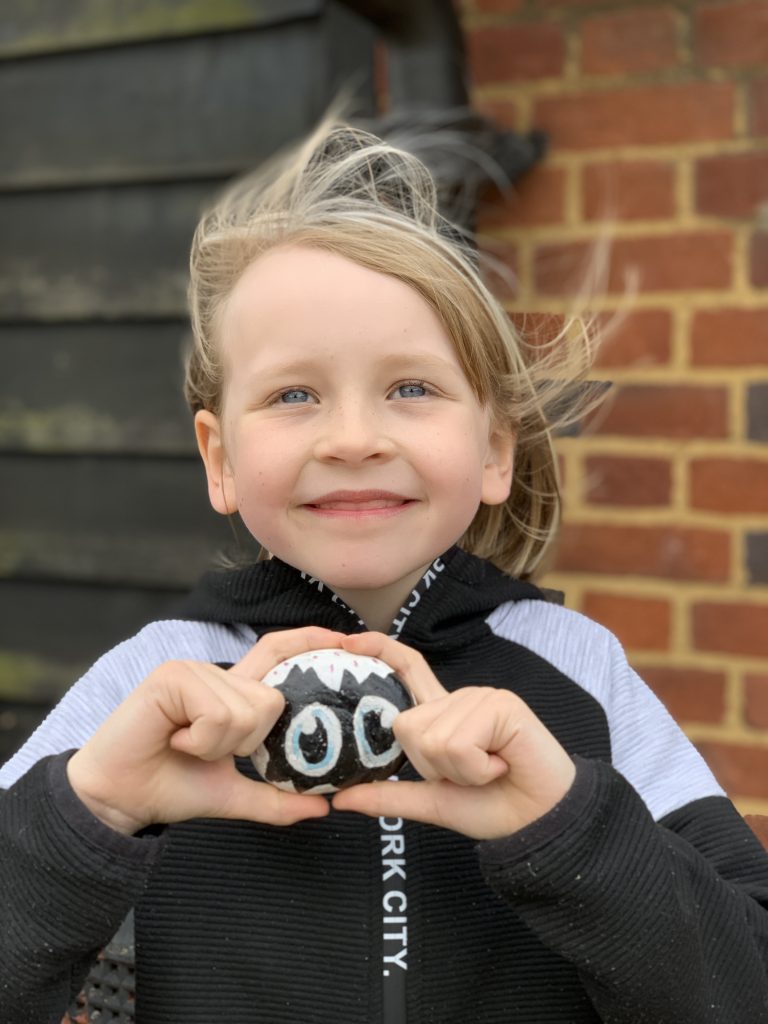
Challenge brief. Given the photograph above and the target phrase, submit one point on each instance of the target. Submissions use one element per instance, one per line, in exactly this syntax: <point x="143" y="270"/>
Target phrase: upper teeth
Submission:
<point x="374" y="503"/>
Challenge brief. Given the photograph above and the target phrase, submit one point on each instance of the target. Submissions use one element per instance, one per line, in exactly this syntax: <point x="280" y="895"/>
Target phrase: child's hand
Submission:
<point x="166" y="753"/>
<point x="490" y="766"/>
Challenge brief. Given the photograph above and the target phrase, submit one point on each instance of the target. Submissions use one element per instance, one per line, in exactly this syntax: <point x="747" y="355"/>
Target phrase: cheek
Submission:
<point x="457" y="460"/>
<point x="262" y="490"/>
<point x="252" y="490"/>
<point x="259" y="516"/>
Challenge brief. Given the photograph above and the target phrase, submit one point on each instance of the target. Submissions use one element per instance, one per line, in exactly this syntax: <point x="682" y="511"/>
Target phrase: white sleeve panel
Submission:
<point x="647" y="746"/>
<point x="96" y="695"/>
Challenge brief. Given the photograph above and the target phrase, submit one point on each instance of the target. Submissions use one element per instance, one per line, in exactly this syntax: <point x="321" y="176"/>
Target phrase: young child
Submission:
<point x="555" y="851"/>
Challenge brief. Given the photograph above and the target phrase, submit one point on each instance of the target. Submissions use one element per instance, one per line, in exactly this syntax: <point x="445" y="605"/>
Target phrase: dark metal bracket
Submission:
<point x="429" y="104"/>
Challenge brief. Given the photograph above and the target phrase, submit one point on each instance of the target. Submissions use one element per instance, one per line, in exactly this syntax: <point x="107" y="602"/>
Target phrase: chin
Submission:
<point x="359" y="579"/>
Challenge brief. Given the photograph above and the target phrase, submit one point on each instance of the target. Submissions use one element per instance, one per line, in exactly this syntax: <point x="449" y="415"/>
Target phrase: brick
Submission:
<point x="670" y="552"/>
<point x="503" y="285"/>
<point x="638" y="339"/>
<point x="757" y="557"/>
<point x="732" y="34"/>
<point x="640" y="623"/>
<point x="659" y="114"/>
<point x="757" y="412"/>
<point x="512" y="53"/>
<point x="505" y="113"/>
<point x="742" y="771"/>
<point x="641" y="338"/>
<point x="551" y="4"/>
<point x="758" y="259"/>
<point x="628" y="190"/>
<point x="756" y="700"/>
<point x="497" y="6"/>
<point x="758" y="106"/>
<point x="537" y="329"/>
<point x="731" y="628"/>
<point x="623" y="480"/>
<point x="689" y="694"/>
<point x="730" y="337"/>
<point x="697" y="259"/>
<point x="626" y="42"/>
<point x="659" y="410"/>
<point x="733" y="185"/>
<point x="536" y="198"/>
<point x="729" y="485"/>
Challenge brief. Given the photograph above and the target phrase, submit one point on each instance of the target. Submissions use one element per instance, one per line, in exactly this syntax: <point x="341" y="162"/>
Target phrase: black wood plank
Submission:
<point x="18" y="720"/>
<point x="97" y="252"/>
<point x="50" y="634"/>
<point x="51" y="25"/>
<point x="94" y="387"/>
<point x="205" y="107"/>
<point x="136" y="521"/>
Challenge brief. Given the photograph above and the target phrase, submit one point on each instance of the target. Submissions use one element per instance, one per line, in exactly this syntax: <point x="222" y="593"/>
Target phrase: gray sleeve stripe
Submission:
<point x="647" y="745"/>
<point x="96" y="695"/>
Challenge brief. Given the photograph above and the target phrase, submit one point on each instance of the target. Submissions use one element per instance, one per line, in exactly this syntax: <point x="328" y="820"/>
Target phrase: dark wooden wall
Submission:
<point x="117" y="122"/>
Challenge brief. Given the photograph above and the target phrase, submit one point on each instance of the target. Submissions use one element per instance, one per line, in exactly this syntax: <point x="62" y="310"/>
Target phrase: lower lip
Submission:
<point x="385" y="512"/>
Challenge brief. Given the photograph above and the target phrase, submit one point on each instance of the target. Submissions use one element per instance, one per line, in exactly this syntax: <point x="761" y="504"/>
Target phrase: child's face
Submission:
<point x="350" y="441"/>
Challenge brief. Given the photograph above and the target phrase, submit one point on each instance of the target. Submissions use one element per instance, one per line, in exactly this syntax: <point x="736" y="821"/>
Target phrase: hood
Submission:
<point x="446" y="609"/>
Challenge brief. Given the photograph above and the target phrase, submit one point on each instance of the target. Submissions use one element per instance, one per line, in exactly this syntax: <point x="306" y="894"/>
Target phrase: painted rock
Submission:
<point x="336" y="727"/>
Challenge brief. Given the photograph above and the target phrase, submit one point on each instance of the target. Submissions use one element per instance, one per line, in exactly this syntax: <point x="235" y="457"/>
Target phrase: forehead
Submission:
<point x="297" y="296"/>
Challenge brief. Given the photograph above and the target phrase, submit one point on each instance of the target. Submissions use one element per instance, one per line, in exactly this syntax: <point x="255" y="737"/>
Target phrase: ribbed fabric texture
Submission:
<point x="647" y="745"/>
<point x="67" y="882"/>
<point x="281" y="930"/>
<point x="637" y="909"/>
<point x="595" y="913"/>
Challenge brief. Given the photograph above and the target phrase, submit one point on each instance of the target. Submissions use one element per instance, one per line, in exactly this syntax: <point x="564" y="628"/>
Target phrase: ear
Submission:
<point x="221" y="483"/>
<point x="498" y="467"/>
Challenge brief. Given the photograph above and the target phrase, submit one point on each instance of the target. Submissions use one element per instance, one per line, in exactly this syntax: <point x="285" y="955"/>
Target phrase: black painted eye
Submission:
<point x="372" y="724"/>
<point x="313" y="740"/>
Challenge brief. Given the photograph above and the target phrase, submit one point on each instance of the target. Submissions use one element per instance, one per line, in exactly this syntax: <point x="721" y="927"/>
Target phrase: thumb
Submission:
<point x="417" y="801"/>
<point x="258" y="801"/>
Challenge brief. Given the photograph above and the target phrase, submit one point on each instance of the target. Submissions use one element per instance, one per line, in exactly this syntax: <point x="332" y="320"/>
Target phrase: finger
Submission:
<point x="219" y="714"/>
<point x="267" y="704"/>
<point x="258" y="801"/>
<point x="416" y="801"/>
<point x="455" y="738"/>
<point x="440" y="751"/>
<point x="409" y="728"/>
<point x="272" y="648"/>
<point x="408" y="664"/>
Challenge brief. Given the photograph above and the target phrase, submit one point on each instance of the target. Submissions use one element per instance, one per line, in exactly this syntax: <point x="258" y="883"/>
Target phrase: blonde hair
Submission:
<point x="346" y="191"/>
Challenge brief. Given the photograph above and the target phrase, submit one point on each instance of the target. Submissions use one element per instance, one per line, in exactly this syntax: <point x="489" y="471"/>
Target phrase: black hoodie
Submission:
<point x="640" y="899"/>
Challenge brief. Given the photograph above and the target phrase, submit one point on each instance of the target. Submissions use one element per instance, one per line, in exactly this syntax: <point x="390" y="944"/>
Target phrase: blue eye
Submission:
<point x="372" y="724"/>
<point x="296" y="396"/>
<point x="412" y="389"/>
<point x="313" y="741"/>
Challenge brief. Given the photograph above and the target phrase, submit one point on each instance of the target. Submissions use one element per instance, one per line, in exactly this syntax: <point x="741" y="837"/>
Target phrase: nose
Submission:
<point x="353" y="432"/>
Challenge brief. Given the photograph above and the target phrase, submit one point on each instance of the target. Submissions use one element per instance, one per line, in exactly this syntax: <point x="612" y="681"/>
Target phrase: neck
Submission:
<point x="378" y="608"/>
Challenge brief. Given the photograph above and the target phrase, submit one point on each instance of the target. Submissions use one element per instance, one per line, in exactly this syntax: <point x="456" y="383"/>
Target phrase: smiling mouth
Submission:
<point x="361" y="502"/>
<point x="358" y="506"/>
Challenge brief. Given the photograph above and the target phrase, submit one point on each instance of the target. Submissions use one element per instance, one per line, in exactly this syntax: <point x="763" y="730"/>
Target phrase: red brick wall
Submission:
<point x="657" y="116"/>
